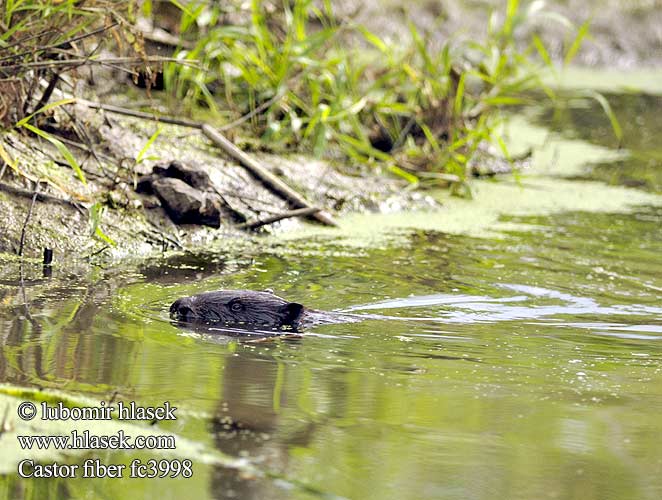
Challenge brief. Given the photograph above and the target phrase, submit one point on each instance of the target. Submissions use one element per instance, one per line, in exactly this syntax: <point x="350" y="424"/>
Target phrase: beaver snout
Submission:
<point x="181" y="310"/>
<point x="238" y="307"/>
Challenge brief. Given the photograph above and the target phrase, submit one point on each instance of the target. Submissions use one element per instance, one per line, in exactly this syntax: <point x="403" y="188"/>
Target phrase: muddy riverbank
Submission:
<point x="106" y="217"/>
<point x="134" y="222"/>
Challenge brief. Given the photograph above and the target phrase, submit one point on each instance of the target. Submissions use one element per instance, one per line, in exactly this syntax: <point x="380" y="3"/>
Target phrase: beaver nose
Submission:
<point x="179" y="310"/>
<point x="174" y="307"/>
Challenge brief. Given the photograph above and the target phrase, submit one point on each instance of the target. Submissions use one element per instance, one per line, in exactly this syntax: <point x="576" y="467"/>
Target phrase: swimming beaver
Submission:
<point x="243" y="307"/>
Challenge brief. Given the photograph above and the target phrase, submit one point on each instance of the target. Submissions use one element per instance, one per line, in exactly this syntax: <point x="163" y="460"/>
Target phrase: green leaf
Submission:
<point x="148" y="144"/>
<point x="459" y="95"/>
<point x="96" y="211"/>
<point x="374" y="39"/>
<point x="4" y="156"/>
<point x="404" y="174"/>
<point x="503" y="100"/>
<point x="64" y="151"/>
<point x="540" y="47"/>
<point x="365" y="148"/>
<point x="182" y="7"/>
<point x="511" y="14"/>
<point x="582" y="33"/>
<point x="52" y="105"/>
<point x="430" y="137"/>
<point x="604" y="103"/>
<point x="104" y="237"/>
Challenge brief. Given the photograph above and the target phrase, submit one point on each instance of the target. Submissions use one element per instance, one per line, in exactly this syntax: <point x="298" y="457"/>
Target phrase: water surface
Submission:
<point x="524" y="363"/>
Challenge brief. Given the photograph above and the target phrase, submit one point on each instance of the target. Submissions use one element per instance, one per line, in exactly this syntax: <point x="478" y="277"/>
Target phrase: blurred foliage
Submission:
<point x="309" y="80"/>
<point x="42" y="40"/>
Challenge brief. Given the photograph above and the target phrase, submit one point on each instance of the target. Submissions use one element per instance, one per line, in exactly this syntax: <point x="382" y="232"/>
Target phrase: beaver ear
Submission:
<point x="269" y="290"/>
<point x="293" y="312"/>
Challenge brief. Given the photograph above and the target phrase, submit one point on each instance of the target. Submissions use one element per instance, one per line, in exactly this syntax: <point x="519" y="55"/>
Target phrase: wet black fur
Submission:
<point x="239" y="307"/>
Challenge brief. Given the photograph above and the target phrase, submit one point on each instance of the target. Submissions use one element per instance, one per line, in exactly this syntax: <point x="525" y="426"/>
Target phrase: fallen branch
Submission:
<point x="54" y="63"/>
<point x="141" y="114"/>
<point x="17" y="191"/>
<point x="269" y="180"/>
<point x="183" y="122"/>
<point x="299" y="212"/>
<point x="164" y="38"/>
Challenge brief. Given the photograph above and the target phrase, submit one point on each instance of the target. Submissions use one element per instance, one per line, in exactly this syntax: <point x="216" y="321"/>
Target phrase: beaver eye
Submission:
<point x="236" y="306"/>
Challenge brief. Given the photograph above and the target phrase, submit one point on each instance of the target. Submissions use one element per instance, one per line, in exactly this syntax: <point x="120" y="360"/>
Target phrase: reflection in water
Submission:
<point x="44" y="337"/>
<point x="247" y="424"/>
<point x="640" y="167"/>
<point x="527" y="367"/>
<point x="520" y="368"/>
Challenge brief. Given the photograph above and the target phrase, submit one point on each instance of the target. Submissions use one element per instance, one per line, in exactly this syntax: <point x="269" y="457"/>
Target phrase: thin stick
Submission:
<point x="27" y="219"/>
<point x="97" y="252"/>
<point x="25" y="39"/>
<point x="111" y="60"/>
<point x="251" y="114"/>
<point x="55" y="77"/>
<point x="40" y="196"/>
<point x="141" y="114"/>
<point x="165" y="38"/>
<point x="269" y="180"/>
<point x="56" y="45"/>
<point x="178" y="121"/>
<point x="299" y="212"/>
<point x="165" y="237"/>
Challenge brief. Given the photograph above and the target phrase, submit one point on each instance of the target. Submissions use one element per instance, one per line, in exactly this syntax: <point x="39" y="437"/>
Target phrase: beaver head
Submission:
<point x="238" y="307"/>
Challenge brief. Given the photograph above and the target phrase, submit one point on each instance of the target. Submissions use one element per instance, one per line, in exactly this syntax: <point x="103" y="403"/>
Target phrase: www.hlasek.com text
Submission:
<point x="86" y="441"/>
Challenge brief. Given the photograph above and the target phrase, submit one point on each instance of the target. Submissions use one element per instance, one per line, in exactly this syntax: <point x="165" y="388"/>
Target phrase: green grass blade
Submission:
<point x="148" y="144"/>
<point x="615" y="124"/>
<point x="503" y="101"/>
<point x="459" y="95"/>
<point x="540" y="47"/>
<point x="4" y="156"/>
<point x="64" y="151"/>
<point x="374" y="40"/>
<point x="52" y="105"/>
<point x="96" y="211"/>
<point x="404" y="174"/>
<point x="583" y="32"/>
